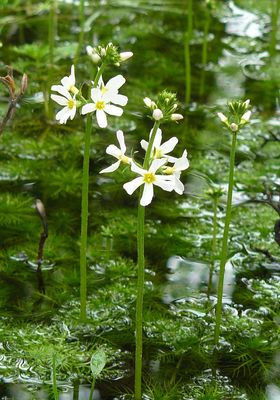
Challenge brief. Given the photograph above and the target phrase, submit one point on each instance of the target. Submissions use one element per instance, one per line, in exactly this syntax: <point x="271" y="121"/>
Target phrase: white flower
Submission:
<point x="91" y="51"/>
<point x="125" y="55"/>
<point x="118" y="153"/>
<point x="111" y="90"/>
<point x="180" y="164"/>
<point x="245" y="117"/>
<point x="68" y="83"/>
<point x="101" y="104"/>
<point x="157" y="114"/>
<point x="149" y="103"/>
<point x="176" y="117"/>
<point x="222" y="117"/>
<point x="246" y="103"/>
<point x="161" y="150"/>
<point x="69" y="103"/>
<point x="234" y="127"/>
<point x="149" y="178"/>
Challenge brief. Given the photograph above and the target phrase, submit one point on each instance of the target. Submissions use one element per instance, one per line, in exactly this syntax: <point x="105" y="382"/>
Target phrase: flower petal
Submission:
<point x="121" y="141"/>
<point x="63" y="115"/>
<point x="66" y="82"/>
<point x="118" y="99"/>
<point x="115" y="83"/>
<point x="164" y="182"/>
<point x="178" y="185"/>
<point x="113" y="151"/>
<point x="131" y="186"/>
<point x="95" y="94"/>
<point x="113" y="110"/>
<point x="137" y="169"/>
<point x="158" y="138"/>
<point x="73" y="112"/>
<point x="87" y="108"/>
<point x="72" y="75"/>
<point x="169" y="145"/>
<point x="156" y="164"/>
<point x="148" y="194"/>
<point x="62" y="101"/>
<point x="62" y="90"/>
<point x="101" y="118"/>
<point x="112" y="168"/>
<point x="144" y="144"/>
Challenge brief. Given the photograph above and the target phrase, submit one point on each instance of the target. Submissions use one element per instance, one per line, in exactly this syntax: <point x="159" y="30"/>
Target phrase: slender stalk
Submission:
<point x="51" y="37"/>
<point x="84" y="212"/>
<point x="214" y="241"/>
<point x="54" y="384"/>
<point x="82" y="30"/>
<point x="141" y="277"/>
<point x="188" y="36"/>
<point x="91" y="390"/>
<point x="204" y="55"/>
<point x="224" y="252"/>
<point x="275" y="10"/>
<point x="84" y="220"/>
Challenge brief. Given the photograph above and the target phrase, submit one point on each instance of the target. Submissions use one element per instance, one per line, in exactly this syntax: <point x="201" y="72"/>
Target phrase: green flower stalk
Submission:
<point x="238" y="117"/>
<point x="188" y="37"/>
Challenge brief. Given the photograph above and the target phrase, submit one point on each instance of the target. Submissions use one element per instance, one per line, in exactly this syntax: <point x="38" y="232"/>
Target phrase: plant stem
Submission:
<point x="54" y="384"/>
<point x="204" y="52"/>
<point x="188" y="36"/>
<point x="84" y="220"/>
<point x="52" y="35"/>
<point x="214" y="240"/>
<point x="141" y="276"/>
<point x="224" y="252"/>
<point x="82" y="30"/>
<point x="84" y="212"/>
<point x="92" y="390"/>
<point x="275" y="9"/>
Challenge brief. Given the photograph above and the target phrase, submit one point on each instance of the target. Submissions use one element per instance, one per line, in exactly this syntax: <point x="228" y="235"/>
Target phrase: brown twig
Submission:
<point x="43" y="237"/>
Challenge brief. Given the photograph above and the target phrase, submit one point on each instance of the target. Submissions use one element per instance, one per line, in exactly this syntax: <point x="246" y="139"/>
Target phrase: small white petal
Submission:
<point x="113" y="151"/>
<point x="164" y="182"/>
<point x="112" y="168"/>
<point x="144" y="144"/>
<point x="121" y="141"/>
<point x="137" y="169"/>
<point x="176" y="117"/>
<point x="115" y="83"/>
<point x="245" y="117"/>
<point x="148" y="102"/>
<point x="72" y="75"/>
<point x="156" y="164"/>
<point x="169" y="145"/>
<point x="179" y="187"/>
<point x="87" y="108"/>
<point x="62" y="101"/>
<point x="101" y="118"/>
<point x="113" y="110"/>
<point x="118" y="99"/>
<point x="95" y="94"/>
<point x="131" y="186"/>
<point x="148" y="194"/>
<point x="157" y="114"/>
<point x="125" y="55"/>
<point x="63" y="115"/>
<point x="62" y="90"/>
<point x="73" y="112"/>
<point x="158" y="138"/>
<point x="222" y="117"/>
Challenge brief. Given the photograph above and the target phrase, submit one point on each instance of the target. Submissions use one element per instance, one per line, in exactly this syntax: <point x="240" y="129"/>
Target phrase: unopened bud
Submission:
<point x="234" y="127"/>
<point x="246" y="117"/>
<point x="24" y="83"/>
<point x="125" y="55"/>
<point x="222" y="117"/>
<point x="93" y="55"/>
<point x="157" y="114"/>
<point x="176" y="117"/>
<point x="103" y="52"/>
<point x="246" y="103"/>
<point x="149" y="103"/>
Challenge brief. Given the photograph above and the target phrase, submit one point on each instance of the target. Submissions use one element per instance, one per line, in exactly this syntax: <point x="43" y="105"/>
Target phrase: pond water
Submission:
<point x="234" y="54"/>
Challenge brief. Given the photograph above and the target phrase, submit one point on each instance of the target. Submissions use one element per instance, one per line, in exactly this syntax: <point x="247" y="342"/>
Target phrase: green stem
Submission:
<point x="84" y="212"/>
<point x="188" y="37"/>
<point x="51" y="37"/>
<point x="84" y="220"/>
<point x="82" y="31"/>
<point x="224" y="252"/>
<point x="92" y="390"/>
<point x="214" y="241"/>
<point x="141" y="276"/>
<point x="204" y="56"/>
<point x="54" y="384"/>
<point x="274" y="26"/>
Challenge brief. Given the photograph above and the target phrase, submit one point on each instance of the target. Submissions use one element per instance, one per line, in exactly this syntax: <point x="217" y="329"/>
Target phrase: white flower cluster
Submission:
<point x="105" y="99"/>
<point x="167" y="177"/>
<point x="237" y="111"/>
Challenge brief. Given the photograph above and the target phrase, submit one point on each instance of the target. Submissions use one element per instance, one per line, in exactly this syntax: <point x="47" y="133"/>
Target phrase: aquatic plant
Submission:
<point x="153" y="172"/>
<point x="238" y="117"/>
<point x="104" y="99"/>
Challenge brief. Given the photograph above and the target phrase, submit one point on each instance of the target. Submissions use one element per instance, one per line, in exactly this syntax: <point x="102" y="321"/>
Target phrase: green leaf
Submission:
<point x="98" y="362"/>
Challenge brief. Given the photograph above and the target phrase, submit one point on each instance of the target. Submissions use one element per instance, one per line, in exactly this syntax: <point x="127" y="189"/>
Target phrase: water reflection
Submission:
<point x="188" y="276"/>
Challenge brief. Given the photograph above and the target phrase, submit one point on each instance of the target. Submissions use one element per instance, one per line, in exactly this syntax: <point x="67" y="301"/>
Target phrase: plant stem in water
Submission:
<point x="141" y="276"/>
<point x="188" y="36"/>
<point x="92" y="390"/>
<point x="214" y="241"/>
<point x="224" y="252"/>
<point x="54" y="384"/>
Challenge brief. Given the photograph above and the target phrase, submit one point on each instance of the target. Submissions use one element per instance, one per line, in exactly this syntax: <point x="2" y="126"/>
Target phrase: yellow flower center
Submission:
<point x="100" y="105"/>
<point x="158" y="153"/>
<point x="124" y="159"/>
<point x="73" y="89"/>
<point x="149" y="177"/>
<point x="71" y="104"/>
<point x="169" y="170"/>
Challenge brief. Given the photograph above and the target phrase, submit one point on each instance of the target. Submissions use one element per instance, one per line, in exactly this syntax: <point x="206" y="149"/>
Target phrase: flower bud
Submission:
<point x="245" y="117"/>
<point x="176" y="117"/>
<point x="234" y="127"/>
<point x="93" y="55"/>
<point x="125" y="55"/>
<point x="222" y="117"/>
<point x="246" y="103"/>
<point x="157" y="114"/>
<point x="24" y="82"/>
